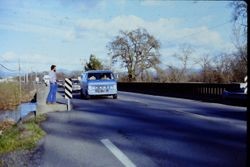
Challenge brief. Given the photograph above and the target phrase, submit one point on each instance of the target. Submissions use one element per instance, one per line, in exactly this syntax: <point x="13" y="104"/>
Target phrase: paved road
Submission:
<point x="146" y="131"/>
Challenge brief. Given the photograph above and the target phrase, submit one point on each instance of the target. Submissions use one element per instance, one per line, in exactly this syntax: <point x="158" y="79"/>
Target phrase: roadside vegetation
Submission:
<point x="10" y="94"/>
<point x="15" y="137"/>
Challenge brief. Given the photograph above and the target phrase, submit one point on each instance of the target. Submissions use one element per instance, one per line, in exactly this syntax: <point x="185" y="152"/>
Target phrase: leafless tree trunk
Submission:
<point x="185" y="57"/>
<point x="240" y="31"/>
<point x="136" y="50"/>
<point x="206" y="67"/>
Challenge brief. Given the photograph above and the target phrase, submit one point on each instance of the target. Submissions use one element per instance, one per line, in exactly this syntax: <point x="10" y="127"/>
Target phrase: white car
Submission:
<point x="60" y="83"/>
<point x="76" y="87"/>
<point x="46" y="79"/>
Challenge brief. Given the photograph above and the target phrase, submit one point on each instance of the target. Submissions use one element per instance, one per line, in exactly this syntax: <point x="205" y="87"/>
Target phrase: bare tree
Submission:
<point x="239" y="15"/>
<point x="136" y="50"/>
<point x="75" y="74"/>
<point x="240" y="30"/>
<point x="205" y="62"/>
<point x="174" y="74"/>
<point x="61" y="75"/>
<point x="185" y="57"/>
<point x="223" y="67"/>
<point x="238" y="67"/>
<point x="161" y="74"/>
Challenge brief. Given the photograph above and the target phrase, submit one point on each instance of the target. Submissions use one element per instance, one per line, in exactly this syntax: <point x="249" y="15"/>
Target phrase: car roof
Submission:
<point x="99" y="71"/>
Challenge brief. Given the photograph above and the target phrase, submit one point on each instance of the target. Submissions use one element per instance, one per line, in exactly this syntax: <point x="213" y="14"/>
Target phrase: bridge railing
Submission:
<point x="187" y="90"/>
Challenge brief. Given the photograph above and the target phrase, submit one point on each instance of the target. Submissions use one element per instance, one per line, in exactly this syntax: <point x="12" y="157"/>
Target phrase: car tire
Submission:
<point x="115" y="96"/>
<point x="86" y="96"/>
<point x="81" y="94"/>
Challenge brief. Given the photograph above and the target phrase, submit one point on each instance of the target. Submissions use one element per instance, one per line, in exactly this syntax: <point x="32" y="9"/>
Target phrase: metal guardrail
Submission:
<point x="201" y="91"/>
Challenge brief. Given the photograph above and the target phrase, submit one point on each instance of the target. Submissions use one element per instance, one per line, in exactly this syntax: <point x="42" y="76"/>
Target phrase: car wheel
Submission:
<point x="115" y="96"/>
<point x="86" y="96"/>
<point x="81" y="94"/>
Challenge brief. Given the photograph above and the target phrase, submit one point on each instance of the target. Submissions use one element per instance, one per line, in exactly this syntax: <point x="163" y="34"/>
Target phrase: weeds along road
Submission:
<point x="147" y="131"/>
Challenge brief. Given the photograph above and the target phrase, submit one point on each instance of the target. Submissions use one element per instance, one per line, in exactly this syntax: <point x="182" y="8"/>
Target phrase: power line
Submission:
<point x="7" y="68"/>
<point x="4" y="66"/>
<point x="208" y="28"/>
<point x="195" y="33"/>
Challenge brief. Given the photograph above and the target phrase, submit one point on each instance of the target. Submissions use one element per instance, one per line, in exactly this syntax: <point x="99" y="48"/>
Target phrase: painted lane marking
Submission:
<point x="118" y="153"/>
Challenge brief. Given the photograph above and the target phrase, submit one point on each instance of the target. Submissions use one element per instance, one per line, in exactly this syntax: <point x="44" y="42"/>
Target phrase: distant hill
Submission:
<point x="6" y="74"/>
<point x="65" y="71"/>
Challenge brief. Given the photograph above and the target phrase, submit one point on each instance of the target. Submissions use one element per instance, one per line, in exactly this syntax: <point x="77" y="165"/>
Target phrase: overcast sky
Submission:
<point x="66" y="32"/>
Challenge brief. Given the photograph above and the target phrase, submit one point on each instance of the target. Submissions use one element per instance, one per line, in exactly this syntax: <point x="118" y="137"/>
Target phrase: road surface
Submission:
<point x="145" y="131"/>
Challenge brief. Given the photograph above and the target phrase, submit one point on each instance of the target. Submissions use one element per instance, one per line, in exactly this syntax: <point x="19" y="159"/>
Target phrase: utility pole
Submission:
<point x="36" y="81"/>
<point x="27" y="77"/>
<point x="20" y="88"/>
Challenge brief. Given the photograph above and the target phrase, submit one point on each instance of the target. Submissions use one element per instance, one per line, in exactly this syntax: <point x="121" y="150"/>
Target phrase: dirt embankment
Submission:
<point x="11" y="94"/>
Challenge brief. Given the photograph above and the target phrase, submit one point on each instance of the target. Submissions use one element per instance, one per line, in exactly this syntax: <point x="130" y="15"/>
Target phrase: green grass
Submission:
<point x="24" y="136"/>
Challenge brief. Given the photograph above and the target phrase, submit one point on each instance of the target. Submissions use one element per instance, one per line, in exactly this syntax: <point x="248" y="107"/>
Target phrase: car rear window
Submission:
<point x="100" y="76"/>
<point x="75" y="81"/>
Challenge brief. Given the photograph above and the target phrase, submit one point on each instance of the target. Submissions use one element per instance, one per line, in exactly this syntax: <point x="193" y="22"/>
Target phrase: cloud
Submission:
<point x="36" y="21"/>
<point x="126" y="23"/>
<point x="151" y="3"/>
<point x="32" y="28"/>
<point x="95" y="33"/>
<point x="84" y="5"/>
<point x="27" y="60"/>
<point x="198" y="36"/>
<point x="168" y="31"/>
<point x="69" y="36"/>
<point x="9" y="56"/>
<point x="24" y="57"/>
<point x="37" y="61"/>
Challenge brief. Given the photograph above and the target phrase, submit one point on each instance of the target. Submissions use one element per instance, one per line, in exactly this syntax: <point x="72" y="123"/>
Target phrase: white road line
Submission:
<point x="118" y="153"/>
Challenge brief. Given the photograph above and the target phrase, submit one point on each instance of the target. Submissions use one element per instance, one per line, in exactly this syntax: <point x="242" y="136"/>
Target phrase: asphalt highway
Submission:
<point x="145" y="131"/>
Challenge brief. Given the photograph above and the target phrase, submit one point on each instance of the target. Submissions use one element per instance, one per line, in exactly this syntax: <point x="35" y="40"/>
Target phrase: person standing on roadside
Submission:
<point x="51" y="99"/>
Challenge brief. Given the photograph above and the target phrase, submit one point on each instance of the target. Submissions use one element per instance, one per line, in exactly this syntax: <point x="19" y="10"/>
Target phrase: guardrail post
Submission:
<point x="245" y="89"/>
<point x="68" y="92"/>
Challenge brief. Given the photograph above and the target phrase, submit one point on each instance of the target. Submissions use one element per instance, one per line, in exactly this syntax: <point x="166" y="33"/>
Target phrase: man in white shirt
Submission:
<point x="51" y="99"/>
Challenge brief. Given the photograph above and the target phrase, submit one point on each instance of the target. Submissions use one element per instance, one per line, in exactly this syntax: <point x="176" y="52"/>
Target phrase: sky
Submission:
<point x="39" y="33"/>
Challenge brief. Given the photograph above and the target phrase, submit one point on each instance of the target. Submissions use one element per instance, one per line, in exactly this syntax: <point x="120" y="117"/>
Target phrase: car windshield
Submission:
<point x="100" y="76"/>
<point x="75" y="81"/>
